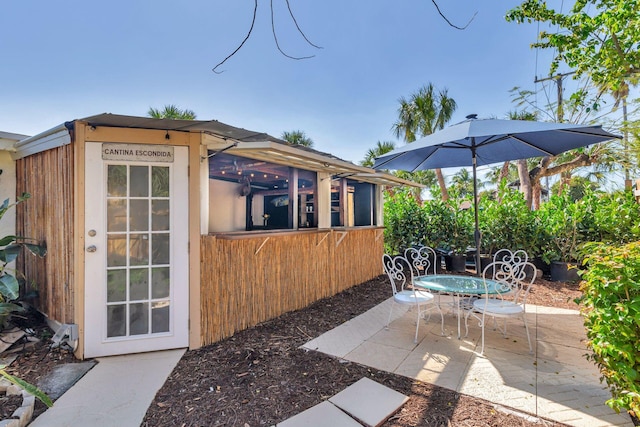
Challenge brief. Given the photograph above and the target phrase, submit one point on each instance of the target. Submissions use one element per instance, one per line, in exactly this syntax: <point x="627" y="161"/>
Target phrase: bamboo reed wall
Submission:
<point x="48" y="217"/>
<point x="247" y="281"/>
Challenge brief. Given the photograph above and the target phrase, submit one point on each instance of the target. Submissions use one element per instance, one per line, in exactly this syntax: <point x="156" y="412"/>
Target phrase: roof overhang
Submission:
<point x="303" y="158"/>
<point x="217" y="136"/>
<point x="52" y="138"/>
<point x="8" y="140"/>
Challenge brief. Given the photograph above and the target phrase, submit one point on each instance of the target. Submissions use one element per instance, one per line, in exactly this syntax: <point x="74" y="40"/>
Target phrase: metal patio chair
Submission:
<point x="516" y="283"/>
<point x="423" y="259"/>
<point x="400" y="273"/>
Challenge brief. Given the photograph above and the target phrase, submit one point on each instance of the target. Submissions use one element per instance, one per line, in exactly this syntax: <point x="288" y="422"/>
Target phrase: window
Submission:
<point x="352" y="203"/>
<point x="248" y="194"/>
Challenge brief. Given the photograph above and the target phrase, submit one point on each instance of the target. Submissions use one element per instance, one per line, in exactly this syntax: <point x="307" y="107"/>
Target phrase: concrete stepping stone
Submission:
<point x="369" y="402"/>
<point x="321" y="415"/>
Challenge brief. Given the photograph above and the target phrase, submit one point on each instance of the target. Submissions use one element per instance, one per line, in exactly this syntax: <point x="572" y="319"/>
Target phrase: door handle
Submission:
<point x="91" y="248"/>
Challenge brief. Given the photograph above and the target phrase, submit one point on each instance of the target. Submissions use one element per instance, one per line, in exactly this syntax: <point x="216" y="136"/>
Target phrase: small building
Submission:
<point x="174" y="233"/>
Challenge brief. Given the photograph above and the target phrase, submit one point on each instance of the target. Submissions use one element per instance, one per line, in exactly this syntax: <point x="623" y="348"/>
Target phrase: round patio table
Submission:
<point x="459" y="286"/>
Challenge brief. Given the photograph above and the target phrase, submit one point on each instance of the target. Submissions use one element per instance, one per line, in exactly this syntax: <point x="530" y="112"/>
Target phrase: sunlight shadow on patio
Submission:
<point x="556" y="382"/>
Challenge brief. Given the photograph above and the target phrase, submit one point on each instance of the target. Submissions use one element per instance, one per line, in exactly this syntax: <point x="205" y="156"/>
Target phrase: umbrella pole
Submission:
<point x="476" y="233"/>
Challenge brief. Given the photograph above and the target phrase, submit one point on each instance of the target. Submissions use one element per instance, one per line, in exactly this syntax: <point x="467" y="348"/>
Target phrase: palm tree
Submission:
<point x="380" y="149"/>
<point x="171" y="112"/>
<point x="462" y="183"/>
<point x="297" y="137"/>
<point x="422" y="114"/>
<point x="426" y="178"/>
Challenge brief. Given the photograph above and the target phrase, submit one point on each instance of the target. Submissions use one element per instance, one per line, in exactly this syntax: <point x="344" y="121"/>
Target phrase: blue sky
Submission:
<point x="72" y="59"/>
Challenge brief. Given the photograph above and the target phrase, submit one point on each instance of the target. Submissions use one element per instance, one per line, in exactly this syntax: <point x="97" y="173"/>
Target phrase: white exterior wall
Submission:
<point x="226" y="207"/>
<point x="7" y="191"/>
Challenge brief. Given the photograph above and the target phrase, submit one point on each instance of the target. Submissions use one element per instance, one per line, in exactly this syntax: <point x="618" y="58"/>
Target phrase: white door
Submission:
<point x="136" y="251"/>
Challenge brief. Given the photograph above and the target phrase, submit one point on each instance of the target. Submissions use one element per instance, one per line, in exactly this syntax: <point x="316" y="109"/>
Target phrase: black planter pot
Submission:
<point x="541" y="265"/>
<point x="440" y="267"/>
<point x="484" y="262"/>
<point x="458" y="263"/>
<point x="560" y="272"/>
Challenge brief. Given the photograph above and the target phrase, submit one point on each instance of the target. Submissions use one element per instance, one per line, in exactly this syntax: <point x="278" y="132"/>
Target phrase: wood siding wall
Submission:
<point x="250" y="280"/>
<point x="48" y="217"/>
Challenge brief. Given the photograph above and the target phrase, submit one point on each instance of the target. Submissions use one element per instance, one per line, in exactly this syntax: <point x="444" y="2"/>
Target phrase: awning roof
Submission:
<point x="256" y="145"/>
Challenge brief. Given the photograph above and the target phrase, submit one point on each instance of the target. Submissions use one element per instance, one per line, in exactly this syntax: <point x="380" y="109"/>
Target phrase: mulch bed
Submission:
<point x="35" y="360"/>
<point x="260" y="376"/>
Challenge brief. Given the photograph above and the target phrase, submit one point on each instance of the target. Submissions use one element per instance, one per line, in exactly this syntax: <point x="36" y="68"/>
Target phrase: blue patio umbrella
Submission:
<point x="476" y="142"/>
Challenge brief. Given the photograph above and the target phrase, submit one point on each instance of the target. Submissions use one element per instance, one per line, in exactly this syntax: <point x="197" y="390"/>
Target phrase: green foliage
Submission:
<point x="562" y="218"/>
<point x="10" y="247"/>
<point x="610" y="217"/>
<point x="597" y="217"/>
<point x="460" y="235"/>
<point x="555" y="232"/>
<point x="597" y="38"/>
<point x="508" y="223"/>
<point x="30" y="388"/>
<point x="297" y="137"/>
<point x="435" y="223"/>
<point x="404" y="221"/>
<point x="611" y="298"/>
<point x="438" y="225"/>
<point x="171" y="112"/>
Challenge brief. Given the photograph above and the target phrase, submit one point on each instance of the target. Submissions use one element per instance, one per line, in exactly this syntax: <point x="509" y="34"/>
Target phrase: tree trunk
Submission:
<point x="442" y="184"/>
<point x="542" y="170"/>
<point x="504" y="172"/>
<point x="536" y="194"/>
<point x="525" y="181"/>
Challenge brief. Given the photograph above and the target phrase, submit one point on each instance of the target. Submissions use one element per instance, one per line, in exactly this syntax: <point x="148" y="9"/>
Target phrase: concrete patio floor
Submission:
<point x="555" y="382"/>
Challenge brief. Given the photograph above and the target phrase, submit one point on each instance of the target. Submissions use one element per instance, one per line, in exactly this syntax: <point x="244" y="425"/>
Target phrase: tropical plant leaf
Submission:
<point x="7" y="308"/>
<point x="30" y="388"/>
<point x="9" y="253"/>
<point x="9" y="287"/>
<point x="7" y="240"/>
<point x="4" y="207"/>
<point x="39" y="250"/>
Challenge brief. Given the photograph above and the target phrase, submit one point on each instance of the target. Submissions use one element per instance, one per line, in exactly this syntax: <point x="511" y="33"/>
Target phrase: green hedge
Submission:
<point x="554" y="232"/>
<point x="611" y="298"/>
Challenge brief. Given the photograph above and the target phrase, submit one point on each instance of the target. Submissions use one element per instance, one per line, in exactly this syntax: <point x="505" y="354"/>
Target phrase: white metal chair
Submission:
<point x="400" y="273"/>
<point x="423" y="259"/>
<point x="514" y="284"/>
<point x="516" y="259"/>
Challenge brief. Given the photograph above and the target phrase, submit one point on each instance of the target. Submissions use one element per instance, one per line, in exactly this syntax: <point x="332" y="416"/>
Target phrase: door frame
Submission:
<point x="95" y="189"/>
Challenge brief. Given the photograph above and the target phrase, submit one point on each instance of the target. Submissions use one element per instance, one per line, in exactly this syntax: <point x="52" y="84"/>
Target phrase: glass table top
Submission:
<point x="458" y="284"/>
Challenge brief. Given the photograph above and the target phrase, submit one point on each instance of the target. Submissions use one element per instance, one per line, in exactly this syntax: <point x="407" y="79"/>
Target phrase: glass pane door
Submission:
<point x="138" y="256"/>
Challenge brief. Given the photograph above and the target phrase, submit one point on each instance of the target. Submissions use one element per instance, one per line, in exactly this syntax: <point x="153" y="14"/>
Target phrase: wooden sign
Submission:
<point x="137" y="152"/>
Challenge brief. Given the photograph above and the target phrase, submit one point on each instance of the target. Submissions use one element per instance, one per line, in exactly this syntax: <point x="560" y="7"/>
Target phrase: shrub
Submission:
<point x="611" y="298"/>
<point x="404" y="222"/>
<point x="507" y="223"/>
<point x="10" y="247"/>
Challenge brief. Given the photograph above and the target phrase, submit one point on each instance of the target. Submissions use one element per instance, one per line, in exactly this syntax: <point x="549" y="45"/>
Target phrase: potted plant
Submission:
<point x="459" y="237"/>
<point x="437" y="216"/>
<point x="562" y="219"/>
<point x="506" y="223"/>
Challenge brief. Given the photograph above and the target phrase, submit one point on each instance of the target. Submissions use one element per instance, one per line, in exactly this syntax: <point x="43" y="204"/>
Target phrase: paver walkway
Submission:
<point x="116" y="392"/>
<point x="555" y="382"/>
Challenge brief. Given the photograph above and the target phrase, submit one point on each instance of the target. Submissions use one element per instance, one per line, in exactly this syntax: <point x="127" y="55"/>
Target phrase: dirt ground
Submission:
<point x="260" y="376"/>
